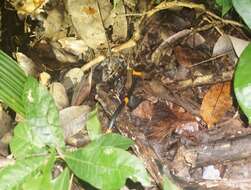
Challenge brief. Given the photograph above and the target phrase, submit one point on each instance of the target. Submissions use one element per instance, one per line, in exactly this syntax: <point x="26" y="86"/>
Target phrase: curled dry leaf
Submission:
<point x="82" y="90"/>
<point x="215" y="103"/>
<point x="72" y="78"/>
<point x="26" y="64"/>
<point x="58" y="92"/>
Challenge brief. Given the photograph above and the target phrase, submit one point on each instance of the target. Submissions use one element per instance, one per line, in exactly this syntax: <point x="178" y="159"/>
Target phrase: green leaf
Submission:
<point x="41" y="180"/>
<point x="169" y="185"/>
<point x="12" y="80"/>
<point x="14" y="175"/>
<point x="113" y="140"/>
<point x="242" y="82"/>
<point x="93" y="125"/>
<point x="106" y="166"/>
<point x="62" y="181"/>
<point x="225" y="4"/>
<point x="22" y="144"/>
<point x="243" y="8"/>
<point x="42" y="115"/>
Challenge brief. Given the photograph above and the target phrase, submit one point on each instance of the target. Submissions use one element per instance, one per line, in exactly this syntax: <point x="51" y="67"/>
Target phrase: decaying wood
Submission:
<point x="141" y="148"/>
<point x="218" y="152"/>
<point x="202" y="80"/>
<point x="236" y="175"/>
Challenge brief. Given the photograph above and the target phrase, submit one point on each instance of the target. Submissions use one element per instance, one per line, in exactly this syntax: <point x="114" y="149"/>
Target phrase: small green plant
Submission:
<point x="38" y="143"/>
<point x="12" y="79"/>
<point x="242" y="7"/>
<point x="242" y="82"/>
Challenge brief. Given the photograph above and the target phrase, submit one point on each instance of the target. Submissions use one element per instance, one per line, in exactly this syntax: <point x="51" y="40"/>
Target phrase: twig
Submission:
<point x="210" y="59"/>
<point x="93" y="62"/>
<point x="202" y="80"/>
<point x="70" y="184"/>
<point x="225" y="21"/>
<point x="129" y="44"/>
<point x="174" y="4"/>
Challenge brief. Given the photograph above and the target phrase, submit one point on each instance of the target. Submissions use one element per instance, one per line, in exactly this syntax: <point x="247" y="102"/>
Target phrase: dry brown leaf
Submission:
<point x="215" y="103"/>
<point x="183" y="56"/>
<point x="144" y="110"/>
<point x="82" y="91"/>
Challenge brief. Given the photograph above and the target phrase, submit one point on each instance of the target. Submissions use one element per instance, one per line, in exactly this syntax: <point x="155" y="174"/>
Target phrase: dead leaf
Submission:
<point x="87" y="23"/>
<point x="183" y="56"/>
<point x="27" y="65"/>
<point x="238" y="44"/>
<point x="73" y="119"/>
<point x="224" y="46"/>
<point x="118" y="21"/>
<point x="144" y="110"/>
<point x="82" y="90"/>
<point x="215" y="103"/>
<point x="195" y="40"/>
<point x="59" y="95"/>
<point x="89" y="10"/>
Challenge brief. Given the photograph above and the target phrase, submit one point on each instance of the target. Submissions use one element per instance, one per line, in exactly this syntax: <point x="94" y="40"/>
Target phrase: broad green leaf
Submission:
<point x="242" y="82"/>
<point x="41" y="180"/>
<point x="62" y="182"/>
<point x="47" y="172"/>
<point x="225" y="4"/>
<point x="243" y="8"/>
<point x="106" y="167"/>
<point x="93" y="125"/>
<point x="113" y="140"/>
<point x="34" y="183"/>
<point x="42" y="115"/>
<point x="14" y="175"/>
<point x="22" y="144"/>
<point x="169" y="185"/>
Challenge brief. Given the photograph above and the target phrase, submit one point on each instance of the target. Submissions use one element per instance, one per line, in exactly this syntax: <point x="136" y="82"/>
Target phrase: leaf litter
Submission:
<point x="175" y="108"/>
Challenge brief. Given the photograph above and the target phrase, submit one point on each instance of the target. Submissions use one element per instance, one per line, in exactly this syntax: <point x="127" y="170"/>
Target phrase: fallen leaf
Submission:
<point x="230" y="45"/>
<point x="238" y="44"/>
<point x="118" y="20"/>
<point x="87" y="21"/>
<point x="195" y="40"/>
<point x="59" y="95"/>
<point x="215" y="103"/>
<point x="144" y="110"/>
<point x="82" y="91"/>
<point x="222" y="46"/>
<point x="89" y="10"/>
<point x="183" y="56"/>
<point x="73" y="119"/>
